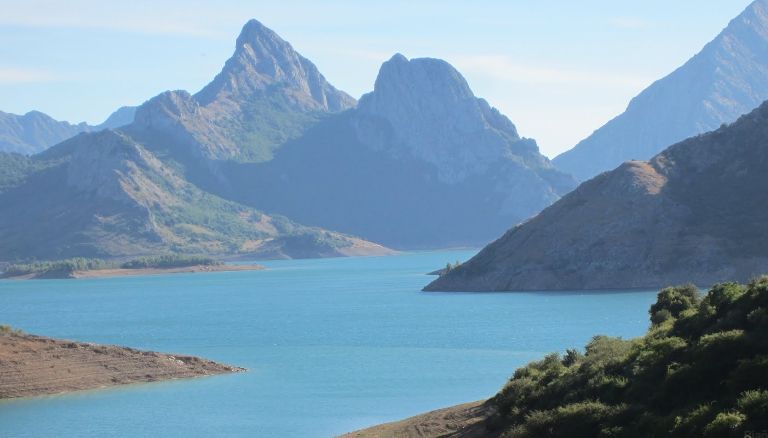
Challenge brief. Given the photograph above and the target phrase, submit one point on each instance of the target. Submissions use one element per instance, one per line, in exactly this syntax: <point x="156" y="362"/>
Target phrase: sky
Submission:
<point x="559" y="69"/>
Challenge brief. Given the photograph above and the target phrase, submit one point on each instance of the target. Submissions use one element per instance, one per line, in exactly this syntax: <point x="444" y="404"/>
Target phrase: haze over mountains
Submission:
<point x="34" y="131"/>
<point x="728" y="78"/>
<point x="695" y="212"/>
<point x="193" y="173"/>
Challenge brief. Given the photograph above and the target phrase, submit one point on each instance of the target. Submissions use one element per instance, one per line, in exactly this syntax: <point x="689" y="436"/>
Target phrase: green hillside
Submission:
<point x="701" y="370"/>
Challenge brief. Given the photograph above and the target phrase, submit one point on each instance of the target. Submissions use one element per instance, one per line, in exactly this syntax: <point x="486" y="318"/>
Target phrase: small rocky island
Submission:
<point x="34" y="365"/>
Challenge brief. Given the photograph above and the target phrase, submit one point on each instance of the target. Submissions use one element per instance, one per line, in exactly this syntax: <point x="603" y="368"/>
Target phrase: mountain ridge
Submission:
<point x="35" y="131"/>
<point x="725" y="80"/>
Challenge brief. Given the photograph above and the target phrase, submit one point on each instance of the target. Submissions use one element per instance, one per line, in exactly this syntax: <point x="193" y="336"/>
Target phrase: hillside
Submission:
<point x="104" y="195"/>
<point x="695" y="212"/>
<point x="699" y="371"/>
<point x="727" y="79"/>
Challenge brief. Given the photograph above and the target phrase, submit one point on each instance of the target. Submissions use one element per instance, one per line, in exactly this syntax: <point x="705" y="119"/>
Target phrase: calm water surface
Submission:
<point x="331" y="345"/>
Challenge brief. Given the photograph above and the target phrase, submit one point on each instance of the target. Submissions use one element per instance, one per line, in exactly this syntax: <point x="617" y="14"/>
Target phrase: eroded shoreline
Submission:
<point x="35" y="365"/>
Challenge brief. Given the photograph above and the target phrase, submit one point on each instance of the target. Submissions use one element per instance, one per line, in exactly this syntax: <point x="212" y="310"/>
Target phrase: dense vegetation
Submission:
<point x="15" y="167"/>
<point x="701" y="370"/>
<point x="169" y="261"/>
<point x="57" y="267"/>
<point x="63" y="268"/>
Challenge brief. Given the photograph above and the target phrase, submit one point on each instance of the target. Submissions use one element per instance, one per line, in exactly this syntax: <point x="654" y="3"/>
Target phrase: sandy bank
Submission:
<point x="34" y="365"/>
<point x="466" y="421"/>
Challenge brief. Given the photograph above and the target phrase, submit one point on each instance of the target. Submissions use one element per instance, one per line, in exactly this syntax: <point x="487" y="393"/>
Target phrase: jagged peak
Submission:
<point x="262" y="61"/>
<point x="254" y="31"/>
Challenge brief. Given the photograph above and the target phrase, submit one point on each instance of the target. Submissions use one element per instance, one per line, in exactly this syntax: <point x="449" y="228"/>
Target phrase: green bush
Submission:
<point x="699" y="371"/>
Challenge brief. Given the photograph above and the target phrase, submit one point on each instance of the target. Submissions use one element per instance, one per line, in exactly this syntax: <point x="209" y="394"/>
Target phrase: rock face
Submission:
<point x="433" y="116"/>
<point x="695" y="212"/>
<point x="421" y="162"/>
<point x="728" y="78"/>
<point x="34" y="132"/>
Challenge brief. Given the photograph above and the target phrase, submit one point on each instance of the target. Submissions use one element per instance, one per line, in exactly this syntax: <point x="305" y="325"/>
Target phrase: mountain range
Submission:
<point x="194" y="172"/>
<point x="727" y="79"/>
<point x="695" y="212"/>
<point x="34" y="131"/>
<point x="420" y="162"/>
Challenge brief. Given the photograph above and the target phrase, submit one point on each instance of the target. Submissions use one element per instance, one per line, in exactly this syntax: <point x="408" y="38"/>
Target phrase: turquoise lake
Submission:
<point x="331" y="345"/>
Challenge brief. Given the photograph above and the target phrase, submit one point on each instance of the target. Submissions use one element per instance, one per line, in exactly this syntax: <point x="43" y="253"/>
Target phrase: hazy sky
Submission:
<point x="558" y="68"/>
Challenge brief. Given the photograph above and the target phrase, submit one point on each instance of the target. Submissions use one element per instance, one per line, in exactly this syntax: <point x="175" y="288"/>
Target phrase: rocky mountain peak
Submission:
<point x="263" y="62"/>
<point x="429" y="111"/>
<point x="417" y="82"/>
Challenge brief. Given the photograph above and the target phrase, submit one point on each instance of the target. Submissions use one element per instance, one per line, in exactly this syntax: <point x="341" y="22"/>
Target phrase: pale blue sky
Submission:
<point x="558" y="68"/>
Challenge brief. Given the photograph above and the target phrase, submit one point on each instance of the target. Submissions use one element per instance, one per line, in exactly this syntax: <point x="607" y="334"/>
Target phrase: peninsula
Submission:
<point x="34" y="365"/>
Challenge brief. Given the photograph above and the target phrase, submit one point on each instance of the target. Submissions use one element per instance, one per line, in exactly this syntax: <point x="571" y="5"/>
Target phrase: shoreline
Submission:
<point x="132" y="272"/>
<point x="33" y="365"/>
<point x="467" y="420"/>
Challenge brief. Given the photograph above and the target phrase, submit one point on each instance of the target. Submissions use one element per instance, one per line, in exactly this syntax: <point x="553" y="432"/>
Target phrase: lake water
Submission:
<point x="331" y="345"/>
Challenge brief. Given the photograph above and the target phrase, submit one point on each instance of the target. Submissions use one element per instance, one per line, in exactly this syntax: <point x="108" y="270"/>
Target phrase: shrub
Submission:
<point x="726" y="424"/>
<point x="699" y="371"/>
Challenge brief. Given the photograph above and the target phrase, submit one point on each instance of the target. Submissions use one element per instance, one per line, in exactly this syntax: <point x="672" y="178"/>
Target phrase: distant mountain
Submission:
<point x="265" y="95"/>
<point x="142" y="189"/>
<point x="695" y="212"/>
<point x="728" y="78"/>
<point x="34" y="131"/>
<point x="421" y="162"/>
<point x="104" y="195"/>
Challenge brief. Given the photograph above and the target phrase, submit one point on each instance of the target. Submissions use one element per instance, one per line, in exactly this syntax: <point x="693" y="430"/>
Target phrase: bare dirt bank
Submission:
<point x="466" y="421"/>
<point x="34" y="365"/>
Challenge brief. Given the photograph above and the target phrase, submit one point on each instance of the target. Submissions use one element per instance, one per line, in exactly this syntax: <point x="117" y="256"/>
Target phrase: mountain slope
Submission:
<point x="104" y="195"/>
<point x="421" y="162"/>
<point x="695" y="212"/>
<point x="34" y="131"/>
<point x="728" y="78"/>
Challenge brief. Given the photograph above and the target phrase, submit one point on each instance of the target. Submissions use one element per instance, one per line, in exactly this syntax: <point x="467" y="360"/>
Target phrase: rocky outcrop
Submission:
<point x="695" y="212"/>
<point x="728" y="78"/>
